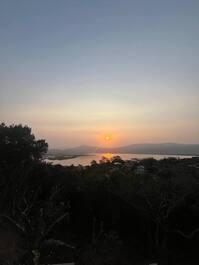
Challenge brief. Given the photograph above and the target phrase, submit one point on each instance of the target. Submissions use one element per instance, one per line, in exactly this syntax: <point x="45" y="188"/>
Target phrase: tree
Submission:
<point x="18" y="144"/>
<point x="32" y="207"/>
<point x="118" y="160"/>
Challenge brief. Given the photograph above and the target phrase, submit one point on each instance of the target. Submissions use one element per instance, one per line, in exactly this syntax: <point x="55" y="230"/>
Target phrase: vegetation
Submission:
<point x="106" y="213"/>
<point x="17" y="144"/>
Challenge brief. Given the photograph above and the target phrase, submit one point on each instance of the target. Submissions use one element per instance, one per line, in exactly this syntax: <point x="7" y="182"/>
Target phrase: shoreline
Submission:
<point x="63" y="157"/>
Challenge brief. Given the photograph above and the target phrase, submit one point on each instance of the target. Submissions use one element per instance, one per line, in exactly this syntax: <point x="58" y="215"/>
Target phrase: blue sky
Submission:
<point x="75" y="70"/>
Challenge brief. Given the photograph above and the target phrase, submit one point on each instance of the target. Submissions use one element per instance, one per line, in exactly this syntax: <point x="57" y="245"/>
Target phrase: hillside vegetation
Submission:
<point x="113" y="212"/>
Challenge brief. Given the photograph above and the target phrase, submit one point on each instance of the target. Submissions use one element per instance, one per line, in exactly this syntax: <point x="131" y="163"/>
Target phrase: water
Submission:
<point x="86" y="160"/>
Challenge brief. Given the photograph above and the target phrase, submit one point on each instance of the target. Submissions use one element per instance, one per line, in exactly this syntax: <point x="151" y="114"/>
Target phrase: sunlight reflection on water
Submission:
<point x="86" y="159"/>
<point x="108" y="155"/>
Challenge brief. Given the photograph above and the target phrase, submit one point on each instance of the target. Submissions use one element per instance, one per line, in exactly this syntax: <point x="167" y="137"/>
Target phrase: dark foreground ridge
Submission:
<point x="113" y="212"/>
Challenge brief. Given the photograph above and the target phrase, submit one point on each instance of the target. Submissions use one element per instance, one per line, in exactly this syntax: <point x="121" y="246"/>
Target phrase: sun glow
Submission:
<point x="107" y="138"/>
<point x="108" y="156"/>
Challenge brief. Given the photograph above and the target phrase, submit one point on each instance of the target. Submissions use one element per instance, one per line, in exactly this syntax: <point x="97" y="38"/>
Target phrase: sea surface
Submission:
<point x="86" y="159"/>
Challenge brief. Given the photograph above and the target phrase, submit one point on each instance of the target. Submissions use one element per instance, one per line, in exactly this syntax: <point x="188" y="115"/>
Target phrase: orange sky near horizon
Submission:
<point x="64" y="138"/>
<point x="78" y="71"/>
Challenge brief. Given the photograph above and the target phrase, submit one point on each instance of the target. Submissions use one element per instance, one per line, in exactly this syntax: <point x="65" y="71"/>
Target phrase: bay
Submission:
<point x="85" y="160"/>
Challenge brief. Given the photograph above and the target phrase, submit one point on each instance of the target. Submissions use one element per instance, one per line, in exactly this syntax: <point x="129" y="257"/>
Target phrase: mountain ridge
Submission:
<point x="142" y="148"/>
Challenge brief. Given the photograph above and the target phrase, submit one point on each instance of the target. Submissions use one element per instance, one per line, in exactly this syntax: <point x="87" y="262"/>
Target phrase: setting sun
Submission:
<point x="107" y="138"/>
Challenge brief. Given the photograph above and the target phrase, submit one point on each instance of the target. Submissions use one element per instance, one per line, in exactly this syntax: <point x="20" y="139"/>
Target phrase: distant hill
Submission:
<point x="161" y="149"/>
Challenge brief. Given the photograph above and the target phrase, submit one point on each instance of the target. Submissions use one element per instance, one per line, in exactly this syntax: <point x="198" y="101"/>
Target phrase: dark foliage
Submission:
<point x="106" y="213"/>
<point x="17" y="144"/>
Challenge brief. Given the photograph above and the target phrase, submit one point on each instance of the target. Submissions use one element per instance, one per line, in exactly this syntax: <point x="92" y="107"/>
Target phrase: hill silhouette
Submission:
<point x="146" y="148"/>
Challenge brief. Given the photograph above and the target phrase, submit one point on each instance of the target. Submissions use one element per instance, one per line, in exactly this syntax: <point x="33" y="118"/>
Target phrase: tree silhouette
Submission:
<point x="18" y="144"/>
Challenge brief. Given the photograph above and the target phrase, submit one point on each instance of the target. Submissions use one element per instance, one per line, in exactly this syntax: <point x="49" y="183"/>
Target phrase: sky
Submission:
<point x="76" y="71"/>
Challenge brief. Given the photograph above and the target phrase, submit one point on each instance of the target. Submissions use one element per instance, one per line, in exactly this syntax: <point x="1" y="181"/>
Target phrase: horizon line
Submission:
<point x="113" y="147"/>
